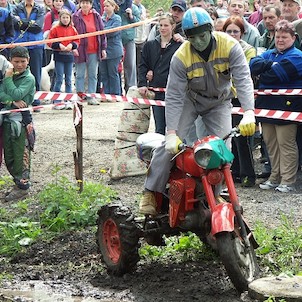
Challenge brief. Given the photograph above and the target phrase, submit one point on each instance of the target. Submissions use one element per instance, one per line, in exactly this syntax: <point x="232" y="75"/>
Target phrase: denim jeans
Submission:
<point x="130" y="65"/>
<point x="110" y="76"/>
<point x="63" y="68"/>
<point x="92" y="70"/>
<point x="35" y="64"/>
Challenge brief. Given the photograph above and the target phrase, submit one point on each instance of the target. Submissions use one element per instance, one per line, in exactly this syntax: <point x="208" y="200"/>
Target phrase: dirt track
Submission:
<point x="70" y="263"/>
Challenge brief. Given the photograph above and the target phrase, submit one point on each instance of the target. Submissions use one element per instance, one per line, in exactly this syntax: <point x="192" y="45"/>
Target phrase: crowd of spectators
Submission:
<point x="140" y="56"/>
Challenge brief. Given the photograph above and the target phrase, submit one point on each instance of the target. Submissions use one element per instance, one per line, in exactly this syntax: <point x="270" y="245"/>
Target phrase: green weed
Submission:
<point x="66" y="209"/>
<point x="5" y="182"/>
<point x="178" y="249"/>
<point x="15" y="235"/>
<point x="5" y="276"/>
<point x="61" y="208"/>
<point x="280" y="248"/>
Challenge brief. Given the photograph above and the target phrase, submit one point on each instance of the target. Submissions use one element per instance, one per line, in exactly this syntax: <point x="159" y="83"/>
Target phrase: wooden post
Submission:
<point x="78" y="155"/>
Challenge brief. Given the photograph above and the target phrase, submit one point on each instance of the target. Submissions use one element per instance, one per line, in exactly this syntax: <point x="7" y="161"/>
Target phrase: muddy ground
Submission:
<point x="68" y="268"/>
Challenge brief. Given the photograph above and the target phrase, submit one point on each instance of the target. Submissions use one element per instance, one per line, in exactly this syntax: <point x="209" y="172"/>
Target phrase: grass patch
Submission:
<point x="280" y="248"/>
<point x="187" y="247"/>
<point x="66" y="209"/>
<point x="61" y="208"/>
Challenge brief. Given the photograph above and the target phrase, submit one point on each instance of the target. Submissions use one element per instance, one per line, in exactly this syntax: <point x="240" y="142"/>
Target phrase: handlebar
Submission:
<point x="183" y="146"/>
<point x="233" y="133"/>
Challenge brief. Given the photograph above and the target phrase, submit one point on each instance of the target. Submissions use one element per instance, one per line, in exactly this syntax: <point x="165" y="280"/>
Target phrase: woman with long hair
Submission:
<point x="154" y="66"/>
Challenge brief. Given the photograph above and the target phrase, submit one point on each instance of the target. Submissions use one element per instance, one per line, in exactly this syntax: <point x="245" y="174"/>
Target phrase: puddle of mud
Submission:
<point x="41" y="292"/>
<point x="41" y="296"/>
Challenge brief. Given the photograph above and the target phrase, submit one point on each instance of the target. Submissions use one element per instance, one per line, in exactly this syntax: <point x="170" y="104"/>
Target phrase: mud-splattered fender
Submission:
<point x="223" y="218"/>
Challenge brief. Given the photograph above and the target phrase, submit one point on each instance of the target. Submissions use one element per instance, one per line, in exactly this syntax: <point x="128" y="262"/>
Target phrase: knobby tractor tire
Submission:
<point x="240" y="262"/>
<point x="117" y="238"/>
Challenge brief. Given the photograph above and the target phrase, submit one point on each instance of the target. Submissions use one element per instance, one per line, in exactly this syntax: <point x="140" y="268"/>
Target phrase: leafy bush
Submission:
<point x="63" y="208"/>
<point x="66" y="209"/>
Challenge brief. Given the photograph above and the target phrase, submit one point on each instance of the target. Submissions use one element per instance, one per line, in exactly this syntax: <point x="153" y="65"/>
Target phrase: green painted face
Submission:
<point x="201" y="41"/>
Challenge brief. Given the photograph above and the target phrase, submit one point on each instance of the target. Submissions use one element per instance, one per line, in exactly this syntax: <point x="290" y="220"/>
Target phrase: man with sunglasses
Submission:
<point x="200" y="79"/>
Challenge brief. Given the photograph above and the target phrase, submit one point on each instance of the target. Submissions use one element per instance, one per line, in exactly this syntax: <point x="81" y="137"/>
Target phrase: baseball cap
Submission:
<point x="296" y="1"/>
<point x="20" y="52"/>
<point x="181" y="4"/>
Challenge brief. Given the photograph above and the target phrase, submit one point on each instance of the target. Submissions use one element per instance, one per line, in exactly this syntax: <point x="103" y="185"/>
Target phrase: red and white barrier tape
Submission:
<point x="56" y="96"/>
<point x="77" y="114"/>
<point x="290" y="92"/>
<point x="157" y="89"/>
<point x="73" y="97"/>
<point x="274" y="114"/>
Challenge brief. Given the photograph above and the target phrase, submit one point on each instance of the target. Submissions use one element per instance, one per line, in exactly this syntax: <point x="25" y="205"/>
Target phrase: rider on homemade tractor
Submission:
<point x="183" y="190"/>
<point x="200" y="81"/>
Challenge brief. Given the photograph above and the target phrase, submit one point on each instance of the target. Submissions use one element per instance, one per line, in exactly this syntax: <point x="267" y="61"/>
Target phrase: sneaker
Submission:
<point x="147" y="205"/>
<point x="16" y="194"/>
<point x="68" y="105"/>
<point x="247" y="182"/>
<point x="59" y="106"/>
<point x="285" y="188"/>
<point x="92" y="101"/>
<point x="268" y="185"/>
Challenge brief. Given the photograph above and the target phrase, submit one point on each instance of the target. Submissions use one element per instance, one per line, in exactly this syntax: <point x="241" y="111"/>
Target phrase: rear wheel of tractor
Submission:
<point x="239" y="261"/>
<point x="117" y="239"/>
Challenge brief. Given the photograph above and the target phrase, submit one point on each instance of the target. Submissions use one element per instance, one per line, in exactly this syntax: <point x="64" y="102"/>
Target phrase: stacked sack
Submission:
<point x="134" y="121"/>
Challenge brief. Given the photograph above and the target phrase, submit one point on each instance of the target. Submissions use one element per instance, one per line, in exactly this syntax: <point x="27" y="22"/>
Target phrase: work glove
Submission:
<point x="247" y="125"/>
<point x="172" y="143"/>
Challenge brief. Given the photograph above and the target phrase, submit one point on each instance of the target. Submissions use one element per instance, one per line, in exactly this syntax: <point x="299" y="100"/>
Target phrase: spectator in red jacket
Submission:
<point x="64" y="51"/>
<point x="91" y="50"/>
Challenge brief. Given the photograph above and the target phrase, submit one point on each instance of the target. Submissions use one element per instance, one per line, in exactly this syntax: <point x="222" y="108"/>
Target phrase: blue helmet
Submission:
<point x="196" y="20"/>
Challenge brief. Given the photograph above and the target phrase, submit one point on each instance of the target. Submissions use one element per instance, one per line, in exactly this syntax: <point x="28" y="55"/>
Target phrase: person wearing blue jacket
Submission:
<point x="109" y="66"/>
<point x="6" y="29"/>
<point x="129" y="15"/>
<point x="280" y="68"/>
<point x="28" y="23"/>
